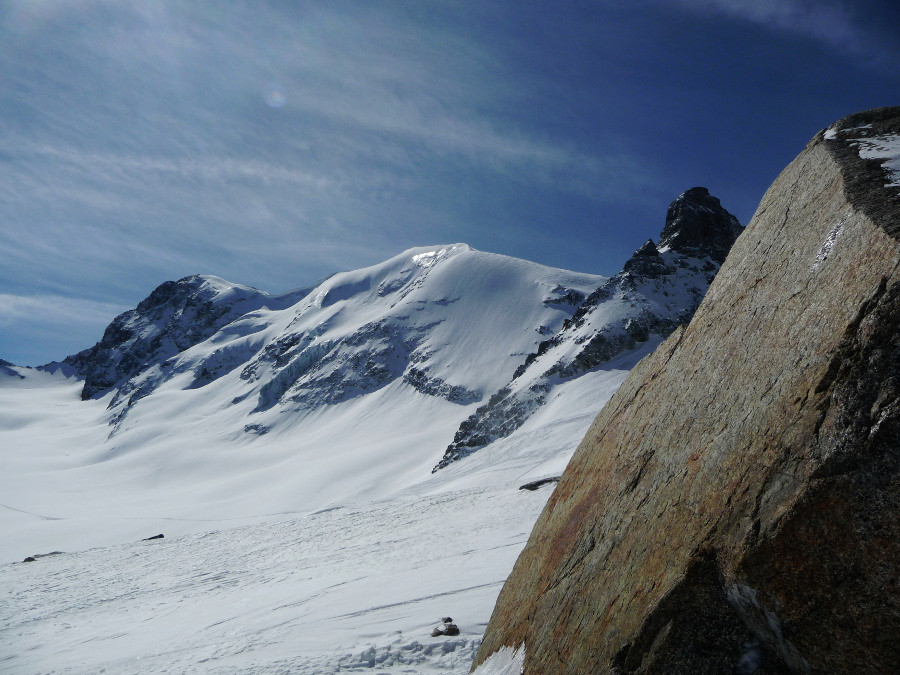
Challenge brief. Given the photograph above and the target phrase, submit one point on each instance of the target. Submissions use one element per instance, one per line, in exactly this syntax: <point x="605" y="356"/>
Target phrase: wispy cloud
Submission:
<point x="141" y="141"/>
<point x="35" y="329"/>
<point x="106" y="165"/>
<point x="184" y="80"/>
<point x="832" y="23"/>
<point x="55" y="310"/>
<point x="138" y="143"/>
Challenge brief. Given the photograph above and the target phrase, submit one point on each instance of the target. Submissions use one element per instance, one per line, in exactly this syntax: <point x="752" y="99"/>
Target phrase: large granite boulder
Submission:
<point x="735" y="507"/>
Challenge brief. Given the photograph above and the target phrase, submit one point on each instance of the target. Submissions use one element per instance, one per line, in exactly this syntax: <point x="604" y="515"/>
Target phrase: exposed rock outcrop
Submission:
<point x="447" y="627"/>
<point x="535" y="484"/>
<point x="174" y="317"/>
<point x="698" y="226"/>
<point x="735" y="507"/>
<point x="658" y="289"/>
<point x="8" y="369"/>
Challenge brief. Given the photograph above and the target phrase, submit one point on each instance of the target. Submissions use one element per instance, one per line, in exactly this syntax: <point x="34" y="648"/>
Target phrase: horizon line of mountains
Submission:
<point x="580" y="327"/>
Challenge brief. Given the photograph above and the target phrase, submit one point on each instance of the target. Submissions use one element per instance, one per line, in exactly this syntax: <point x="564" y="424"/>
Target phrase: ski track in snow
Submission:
<point x="347" y="589"/>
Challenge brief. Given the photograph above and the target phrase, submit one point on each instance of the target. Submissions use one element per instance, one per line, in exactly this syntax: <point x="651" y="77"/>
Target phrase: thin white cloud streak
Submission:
<point x="831" y="23"/>
<point x="203" y="168"/>
<point x="55" y="310"/>
<point x="366" y="73"/>
<point x="139" y="146"/>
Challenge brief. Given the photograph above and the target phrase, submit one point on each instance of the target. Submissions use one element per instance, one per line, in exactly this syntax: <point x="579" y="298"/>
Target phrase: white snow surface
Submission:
<point x="324" y="544"/>
<point x="886" y="148"/>
<point x="505" y="661"/>
<point x="831" y="133"/>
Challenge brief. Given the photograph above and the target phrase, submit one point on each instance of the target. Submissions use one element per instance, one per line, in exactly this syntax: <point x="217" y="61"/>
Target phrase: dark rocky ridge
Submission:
<point x="698" y="226"/>
<point x="735" y="505"/>
<point x="140" y="347"/>
<point x="697" y="235"/>
<point x="174" y="317"/>
<point x="866" y="178"/>
<point x="6" y="368"/>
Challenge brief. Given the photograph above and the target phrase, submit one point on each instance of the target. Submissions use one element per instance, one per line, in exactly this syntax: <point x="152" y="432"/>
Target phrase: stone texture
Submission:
<point x="734" y="507"/>
<point x="174" y="317"/>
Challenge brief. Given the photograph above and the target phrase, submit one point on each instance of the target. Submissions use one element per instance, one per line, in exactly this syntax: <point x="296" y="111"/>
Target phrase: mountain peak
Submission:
<point x="175" y="316"/>
<point x="698" y="225"/>
<point x="426" y="256"/>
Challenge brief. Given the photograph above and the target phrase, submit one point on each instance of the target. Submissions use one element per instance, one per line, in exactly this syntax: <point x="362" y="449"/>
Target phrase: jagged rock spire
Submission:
<point x="698" y="225"/>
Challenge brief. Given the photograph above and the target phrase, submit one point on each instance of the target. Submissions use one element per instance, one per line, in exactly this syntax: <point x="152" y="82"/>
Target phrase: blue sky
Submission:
<point x="274" y="143"/>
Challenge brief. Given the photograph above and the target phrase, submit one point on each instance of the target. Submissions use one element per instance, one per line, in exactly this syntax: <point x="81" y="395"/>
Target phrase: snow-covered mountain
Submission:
<point x="214" y="401"/>
<point x="659" y="288"/>
<point x="447" y="322"/>
<point x="302" y="429"/>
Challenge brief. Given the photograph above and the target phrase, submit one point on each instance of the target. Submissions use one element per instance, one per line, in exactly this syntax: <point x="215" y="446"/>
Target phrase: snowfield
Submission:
<point x="280" y="411"/>
<point x="353" y="586"/>
<point x="347" y="589"/>
<point x="286" y="455"/>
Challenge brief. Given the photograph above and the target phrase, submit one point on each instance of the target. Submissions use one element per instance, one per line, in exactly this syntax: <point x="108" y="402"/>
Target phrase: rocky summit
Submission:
<point x="698" y="226"/>
<point x="734" y="507"/>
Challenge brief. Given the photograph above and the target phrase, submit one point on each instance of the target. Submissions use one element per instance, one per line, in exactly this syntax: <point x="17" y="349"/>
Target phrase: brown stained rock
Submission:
<point x="735" y="505"/>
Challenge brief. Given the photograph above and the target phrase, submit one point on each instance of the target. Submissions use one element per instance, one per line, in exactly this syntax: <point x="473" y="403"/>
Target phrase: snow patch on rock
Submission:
<point x="885" y="148"/>
<point x="505" y="661"/>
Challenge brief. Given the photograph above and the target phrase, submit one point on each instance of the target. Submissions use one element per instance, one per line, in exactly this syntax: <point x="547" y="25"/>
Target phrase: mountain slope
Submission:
<point x="345" y="392"/>
<point x="308" y="538"/>
<point x="173" y="318"/>
<point x="658" y="289"/>
<point x="284" y="401"/>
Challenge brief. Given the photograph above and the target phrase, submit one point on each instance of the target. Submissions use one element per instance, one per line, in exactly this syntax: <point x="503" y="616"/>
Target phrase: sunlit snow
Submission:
<point x="886" y="148"/>
<point x="505" y="661"/>
<point x="317" y="540"/>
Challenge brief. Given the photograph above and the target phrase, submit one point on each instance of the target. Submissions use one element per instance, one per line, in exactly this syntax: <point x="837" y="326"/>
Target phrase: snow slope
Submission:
<point x="353" y="587"/>
<point x="343" y="397"/>
<point x="285" y="450"/>
<point x="356" y="586"/>
<point x="348" y="589"/>
<point x="657" y="289"/>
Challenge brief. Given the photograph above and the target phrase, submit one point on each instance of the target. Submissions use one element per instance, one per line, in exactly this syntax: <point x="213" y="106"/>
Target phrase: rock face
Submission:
<point x="698" y="226"/>
<point x="658" y="289"/>
<point x="174" y="317"/>
<point x="7" y="368"/>
<point x="735" y="507"/>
